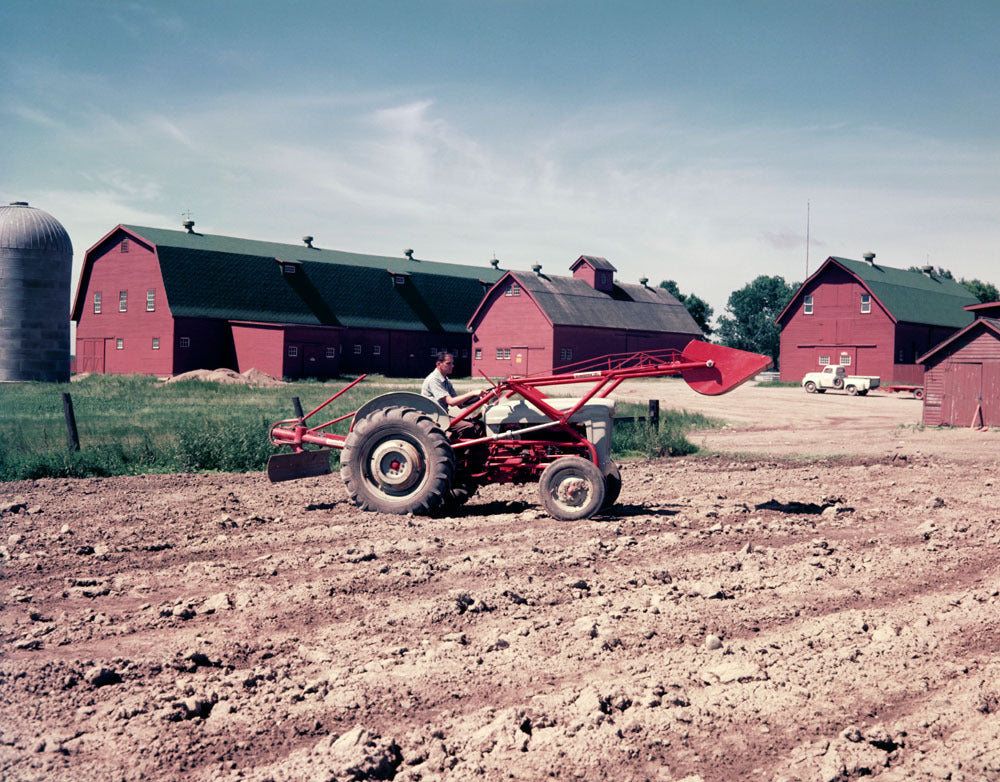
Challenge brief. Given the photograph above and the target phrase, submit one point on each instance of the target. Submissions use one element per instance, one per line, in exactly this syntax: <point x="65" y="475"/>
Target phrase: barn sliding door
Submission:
<point x="963" y="394"/>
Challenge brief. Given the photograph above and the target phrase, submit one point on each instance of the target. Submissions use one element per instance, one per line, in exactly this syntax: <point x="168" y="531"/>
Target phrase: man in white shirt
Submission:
<point x="438" y="387"/>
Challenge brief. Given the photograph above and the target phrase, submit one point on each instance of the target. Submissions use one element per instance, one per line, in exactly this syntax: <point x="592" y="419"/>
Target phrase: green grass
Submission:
<point x="131" y="424"/>
<point x="641" y="439"/>
<point x="778" y="384"/>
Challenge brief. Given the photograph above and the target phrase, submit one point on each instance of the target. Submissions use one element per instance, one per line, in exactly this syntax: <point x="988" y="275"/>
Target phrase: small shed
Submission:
<point x="962" y="377"/>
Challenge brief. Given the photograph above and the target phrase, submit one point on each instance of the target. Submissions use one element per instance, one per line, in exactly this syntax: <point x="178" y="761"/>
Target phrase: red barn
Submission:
<point x="162" y="302"/>
<point x="530" y="322"/>
<point x="874" y="319"/>
<point x="962" y="374"/>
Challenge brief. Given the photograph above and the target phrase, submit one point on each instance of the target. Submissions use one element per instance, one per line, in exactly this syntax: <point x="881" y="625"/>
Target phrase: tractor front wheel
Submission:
<point x="571" y="488"/>
<point x="397" y="460"/>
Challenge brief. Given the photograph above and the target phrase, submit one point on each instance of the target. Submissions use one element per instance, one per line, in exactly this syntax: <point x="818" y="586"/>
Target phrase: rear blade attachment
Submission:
<point x="305" y="464"/>
<point x="730" y="367"/>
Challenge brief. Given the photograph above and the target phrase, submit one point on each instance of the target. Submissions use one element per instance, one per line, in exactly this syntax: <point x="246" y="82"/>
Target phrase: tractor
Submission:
<point x="402" y="453"/>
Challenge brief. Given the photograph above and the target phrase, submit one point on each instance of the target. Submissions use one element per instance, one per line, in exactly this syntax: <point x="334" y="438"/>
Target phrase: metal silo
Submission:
<point x="36" y="260"/>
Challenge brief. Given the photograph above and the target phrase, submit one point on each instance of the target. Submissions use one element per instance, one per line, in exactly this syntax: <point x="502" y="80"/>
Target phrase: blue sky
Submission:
<point x="681" y="140"/>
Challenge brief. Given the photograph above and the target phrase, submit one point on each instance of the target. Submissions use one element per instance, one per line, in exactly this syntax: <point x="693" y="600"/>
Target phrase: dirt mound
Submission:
<point x="252" y="377"/>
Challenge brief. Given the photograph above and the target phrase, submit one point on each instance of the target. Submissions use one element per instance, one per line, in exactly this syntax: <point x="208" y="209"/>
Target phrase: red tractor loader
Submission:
<point x="402" y="454"/>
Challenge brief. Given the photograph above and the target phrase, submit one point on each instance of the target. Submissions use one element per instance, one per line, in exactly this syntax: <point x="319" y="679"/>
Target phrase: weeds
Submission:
<point x="131" y="424"/>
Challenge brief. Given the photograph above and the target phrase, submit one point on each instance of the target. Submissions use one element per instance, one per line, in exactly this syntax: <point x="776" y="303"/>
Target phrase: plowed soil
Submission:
<point x="813" y="598"/>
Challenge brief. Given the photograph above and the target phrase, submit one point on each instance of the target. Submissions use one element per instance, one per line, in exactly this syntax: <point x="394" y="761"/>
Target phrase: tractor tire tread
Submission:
<point x="433" y="442"/>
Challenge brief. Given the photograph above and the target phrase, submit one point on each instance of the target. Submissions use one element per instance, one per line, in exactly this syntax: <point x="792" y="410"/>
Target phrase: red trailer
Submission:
<point x="897" y="388"/>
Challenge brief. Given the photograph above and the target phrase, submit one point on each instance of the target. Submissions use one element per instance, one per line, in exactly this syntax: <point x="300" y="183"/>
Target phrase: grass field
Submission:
<point x="135" y="424"/>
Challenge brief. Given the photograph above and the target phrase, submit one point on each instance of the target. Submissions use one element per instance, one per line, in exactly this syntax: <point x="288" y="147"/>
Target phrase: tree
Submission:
<point x="984" y="291"/>
<point x="753" y="310"/>
<point x="698" y="308"/>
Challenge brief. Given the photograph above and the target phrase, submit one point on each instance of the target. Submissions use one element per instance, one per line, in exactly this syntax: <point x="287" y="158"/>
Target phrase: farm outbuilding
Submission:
<point x="164" y="302"/>
<point x="531" y="322"/>
<point x="869" y="318"/>
<point x="962" y="376"/>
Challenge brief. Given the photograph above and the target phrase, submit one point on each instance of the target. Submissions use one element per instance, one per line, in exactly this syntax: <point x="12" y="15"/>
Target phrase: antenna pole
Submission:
<point x="807" y="238"/>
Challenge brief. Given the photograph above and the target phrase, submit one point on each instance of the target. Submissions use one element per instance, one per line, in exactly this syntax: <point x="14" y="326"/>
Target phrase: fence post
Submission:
<point x="72" y="436"/>
<point x="654" y="414"/>
<point x="297" y="406"/>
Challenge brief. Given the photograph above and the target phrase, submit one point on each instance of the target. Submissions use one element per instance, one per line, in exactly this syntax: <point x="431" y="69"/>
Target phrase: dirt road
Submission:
<point x="772" y="616"/>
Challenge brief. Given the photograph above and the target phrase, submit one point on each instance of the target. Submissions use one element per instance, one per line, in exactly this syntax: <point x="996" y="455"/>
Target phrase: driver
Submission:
<point x="438" y="387"/>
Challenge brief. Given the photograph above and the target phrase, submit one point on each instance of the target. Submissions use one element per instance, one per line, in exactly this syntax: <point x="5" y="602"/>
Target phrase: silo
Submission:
<point x="36" y="262"/>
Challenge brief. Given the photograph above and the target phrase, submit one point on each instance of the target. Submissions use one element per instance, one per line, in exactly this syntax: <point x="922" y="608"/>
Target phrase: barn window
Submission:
<point x="506" y="352"/>
<point x="293" y="351"/>
<point x="357" y="349"/>
<point x="845" y="360"/>
<point x="866" y="302"/>
<point x="565" y="354"/>
<point x="824" y="361"/>
<point x="119" y="344"/>
<point x="97" y="303"/>
<point x="123" y="301"/>
<point x="150" y="300"/>
<point x="331" y="352"/>
<point x="499" y="354"/>
<point x="513" y="290"/>
<point x="434" y="352"/>
<point x="479" y="353"/>
<point x="185" y="342"/>
<point x="807" y="305"/>
<point x="288" y="268"/>
<point x="901" y="358"/>
<point x="399" y="280"/>
<point x="124" y="245"/>
<point x="376" y="350"/>
<point x="156" y="343"/>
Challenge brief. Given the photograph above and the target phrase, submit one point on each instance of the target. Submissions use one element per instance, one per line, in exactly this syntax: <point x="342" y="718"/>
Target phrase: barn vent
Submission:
<point x="408" y="252"/>
<point x="928" y="270"/>
<point x="870" y="258"/>
<point x="644" y="282"/>
<point x="495" y="262"/>
<point x="537" y="269"/>
<point x="188" y="226"/>
<point x="308" y="240"/>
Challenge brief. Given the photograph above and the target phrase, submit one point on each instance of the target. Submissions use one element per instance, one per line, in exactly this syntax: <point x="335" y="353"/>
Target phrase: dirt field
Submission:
<point x="761" y="615"/>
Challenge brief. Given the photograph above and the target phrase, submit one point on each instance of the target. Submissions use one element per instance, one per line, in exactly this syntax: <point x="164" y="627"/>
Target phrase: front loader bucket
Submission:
<point x="730" y="367"/>
<point x="304" y="464"/>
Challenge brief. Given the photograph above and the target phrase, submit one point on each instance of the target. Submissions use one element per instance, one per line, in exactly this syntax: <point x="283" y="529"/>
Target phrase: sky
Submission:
<point x="694" y="141"/>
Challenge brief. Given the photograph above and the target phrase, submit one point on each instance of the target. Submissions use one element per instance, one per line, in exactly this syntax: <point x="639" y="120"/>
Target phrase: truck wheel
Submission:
<point x="810" y="387"/>
<point x="571" y="488"/>
<point x="838" y="382"/>
<point x="397" y="461"/>
<point x="852" y="390"/>
<point x="612" y="485"/>
<point x="918" y="393"/>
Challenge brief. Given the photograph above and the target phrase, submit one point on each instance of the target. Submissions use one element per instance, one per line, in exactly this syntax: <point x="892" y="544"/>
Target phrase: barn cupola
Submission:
<point x="598" y="272"/>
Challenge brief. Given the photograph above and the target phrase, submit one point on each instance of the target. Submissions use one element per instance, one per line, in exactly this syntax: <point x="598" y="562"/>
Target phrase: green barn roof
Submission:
<point x="912" y="296"/>
<point x="223" y="277"/>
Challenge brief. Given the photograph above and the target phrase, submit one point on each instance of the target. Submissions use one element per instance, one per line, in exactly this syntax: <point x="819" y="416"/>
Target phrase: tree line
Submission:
<point x="749" y="322"/>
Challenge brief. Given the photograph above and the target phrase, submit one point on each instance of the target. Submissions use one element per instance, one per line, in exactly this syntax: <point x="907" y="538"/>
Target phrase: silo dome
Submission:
<point x="36" y="262"/>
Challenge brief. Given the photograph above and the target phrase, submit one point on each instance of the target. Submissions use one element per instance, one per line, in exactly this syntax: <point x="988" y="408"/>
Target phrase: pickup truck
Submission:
<point x="837" y="377"/>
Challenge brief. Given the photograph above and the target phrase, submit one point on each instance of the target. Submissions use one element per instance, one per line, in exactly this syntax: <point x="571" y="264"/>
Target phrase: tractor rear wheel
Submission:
<point x="810" y="387"/>
<point x="612" y="485"/>
<point x="571" y="488"/>
<point x="397" y="460"/>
